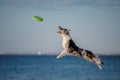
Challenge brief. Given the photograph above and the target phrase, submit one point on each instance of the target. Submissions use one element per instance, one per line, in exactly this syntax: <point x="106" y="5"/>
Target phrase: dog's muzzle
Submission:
<point x="58" y="32"/>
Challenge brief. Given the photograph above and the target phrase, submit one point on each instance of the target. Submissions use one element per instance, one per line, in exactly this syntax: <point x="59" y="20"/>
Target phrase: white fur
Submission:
<point x="65" y="42"/>
<point x="65" y="45"/>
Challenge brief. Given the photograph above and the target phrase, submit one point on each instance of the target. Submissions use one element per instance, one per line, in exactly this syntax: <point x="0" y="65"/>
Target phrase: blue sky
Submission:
<point x="94" y="24"/>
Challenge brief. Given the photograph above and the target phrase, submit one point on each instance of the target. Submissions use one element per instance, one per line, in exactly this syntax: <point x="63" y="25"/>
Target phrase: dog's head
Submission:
<point x="63" y="31"/>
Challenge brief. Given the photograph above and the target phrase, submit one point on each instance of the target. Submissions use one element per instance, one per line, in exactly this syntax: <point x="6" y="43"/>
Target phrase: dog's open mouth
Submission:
<point x="60" y="28"/>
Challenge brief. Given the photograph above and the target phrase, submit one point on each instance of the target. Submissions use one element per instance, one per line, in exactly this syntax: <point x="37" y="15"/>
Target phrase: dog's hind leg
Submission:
<point x="97" y="61"/>
<point x="99" y="66"/>
<point x="64" y="52"/>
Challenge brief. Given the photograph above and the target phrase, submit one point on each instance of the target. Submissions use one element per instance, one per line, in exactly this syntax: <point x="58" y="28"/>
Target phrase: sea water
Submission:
<point x="49" y="68"/>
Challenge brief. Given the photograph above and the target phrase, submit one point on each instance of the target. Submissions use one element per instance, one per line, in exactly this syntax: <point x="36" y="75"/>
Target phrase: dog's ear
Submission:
<point x="68" y="30"/>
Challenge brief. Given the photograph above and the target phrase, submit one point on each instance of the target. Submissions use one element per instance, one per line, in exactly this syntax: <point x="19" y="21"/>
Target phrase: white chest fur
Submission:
<point x="65" y="42"/>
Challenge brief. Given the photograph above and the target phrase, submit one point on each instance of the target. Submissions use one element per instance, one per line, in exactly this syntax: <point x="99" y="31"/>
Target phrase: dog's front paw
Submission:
<point x="57" y="57"/>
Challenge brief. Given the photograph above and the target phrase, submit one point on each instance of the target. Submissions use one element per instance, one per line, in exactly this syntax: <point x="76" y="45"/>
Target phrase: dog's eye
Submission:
<point x="66" y="32"/>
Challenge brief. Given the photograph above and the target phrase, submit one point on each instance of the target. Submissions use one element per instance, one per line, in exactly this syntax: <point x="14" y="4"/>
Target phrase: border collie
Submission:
<point x="70" y="47"/>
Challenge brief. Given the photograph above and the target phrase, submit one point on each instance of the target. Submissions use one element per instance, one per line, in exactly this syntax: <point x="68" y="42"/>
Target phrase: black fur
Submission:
<point x="89" y="54"/>
<point x="74" y="47"/>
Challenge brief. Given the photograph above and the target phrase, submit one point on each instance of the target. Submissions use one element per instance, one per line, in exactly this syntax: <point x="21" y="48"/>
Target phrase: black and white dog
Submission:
<point x="70" y="47"/>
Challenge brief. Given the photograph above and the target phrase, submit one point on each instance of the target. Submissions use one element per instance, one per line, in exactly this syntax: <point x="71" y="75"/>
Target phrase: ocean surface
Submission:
<point x="49" y="68"/>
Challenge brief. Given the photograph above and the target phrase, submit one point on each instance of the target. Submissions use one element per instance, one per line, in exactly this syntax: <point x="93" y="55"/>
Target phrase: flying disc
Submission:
<point x="37" y="18"/>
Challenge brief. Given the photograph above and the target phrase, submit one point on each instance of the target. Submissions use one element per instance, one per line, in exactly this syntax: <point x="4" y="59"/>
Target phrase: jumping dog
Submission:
<point x="70" y="47"/>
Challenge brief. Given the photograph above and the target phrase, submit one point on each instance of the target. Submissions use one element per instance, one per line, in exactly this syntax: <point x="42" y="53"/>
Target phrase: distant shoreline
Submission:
<point x="51" y="55"/>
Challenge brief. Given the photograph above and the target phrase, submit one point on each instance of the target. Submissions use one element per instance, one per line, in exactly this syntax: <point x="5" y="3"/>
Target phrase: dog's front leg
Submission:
<point x="64" y="52"/>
